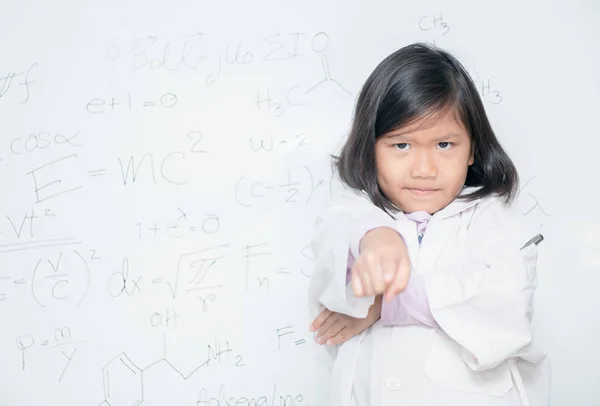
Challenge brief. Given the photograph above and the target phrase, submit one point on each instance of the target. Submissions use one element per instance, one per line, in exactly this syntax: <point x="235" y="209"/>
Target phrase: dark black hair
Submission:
<point x="415" y="82"/>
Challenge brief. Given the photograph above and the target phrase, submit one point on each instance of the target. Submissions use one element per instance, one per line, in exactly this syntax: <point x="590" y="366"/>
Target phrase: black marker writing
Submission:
<point x="38" y="244"/>
<point x="170" y="318"/>
<point x="26" y="82"/>
<point x="294" y="97"/>
<point x="320" y="42"/>
<point x="55" y="280"/>
<point x="26" y="217"/>
<point x="247" y="192"/>
<point x="23" y="344"/>
<point x="98" y="105"/>
<point x="123" y="380"/>
<point x="237" y="56"/>
<point x="6" y="82"/>
<point x="536" y="203"/>
<point x="434" y="22"/>
<point x="41" y="140"/>
<point x="38" y="189"/>
<point x="61" y="340"/>
<point x="254" y="251"/>
<point x="204" y="299"/>
<point x="196" y="136"/>
<point x="130" y="173"/>
<point x="195" y="267"/>
<point x="262" y="100"/>
<point x="119" y="282"/>
<point x="488" y="92"/>
<point x="70" y="359"/>
<point x="222" y="398"/>
<point x="152" y="53"/>
<point x="261" y="145"/>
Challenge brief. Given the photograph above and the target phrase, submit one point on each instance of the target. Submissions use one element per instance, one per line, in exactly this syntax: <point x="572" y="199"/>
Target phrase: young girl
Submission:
<point x="424" y="273"/>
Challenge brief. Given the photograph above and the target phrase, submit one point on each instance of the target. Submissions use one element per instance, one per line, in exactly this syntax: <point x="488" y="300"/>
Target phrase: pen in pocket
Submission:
<point x="535" y="240"/>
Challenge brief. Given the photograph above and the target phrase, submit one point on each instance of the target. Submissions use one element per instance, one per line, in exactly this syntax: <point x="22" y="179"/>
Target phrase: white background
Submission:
<point x="188" y="283"/>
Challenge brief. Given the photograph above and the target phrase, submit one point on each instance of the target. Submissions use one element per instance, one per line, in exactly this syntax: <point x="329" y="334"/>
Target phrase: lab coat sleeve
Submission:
<point x="486" y="305"/>
<point x="338" y="231"/>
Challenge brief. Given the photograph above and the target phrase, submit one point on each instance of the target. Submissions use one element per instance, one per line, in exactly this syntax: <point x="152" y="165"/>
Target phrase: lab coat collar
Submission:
<point x="457" y="205"/>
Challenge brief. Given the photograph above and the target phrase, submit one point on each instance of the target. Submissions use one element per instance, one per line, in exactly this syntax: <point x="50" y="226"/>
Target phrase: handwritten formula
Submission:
<point x="161" y="172"/>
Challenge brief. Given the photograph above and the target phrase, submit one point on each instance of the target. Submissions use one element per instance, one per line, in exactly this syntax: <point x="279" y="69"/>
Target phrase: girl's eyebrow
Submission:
<point x="404" y="137"/>
<point x="448" y="136"/>
<point x="398" y="136"/>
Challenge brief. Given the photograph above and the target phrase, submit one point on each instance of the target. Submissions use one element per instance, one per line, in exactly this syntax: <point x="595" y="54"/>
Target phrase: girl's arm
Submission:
<point x="338" y="231"/>
<point x="409" y="307"/>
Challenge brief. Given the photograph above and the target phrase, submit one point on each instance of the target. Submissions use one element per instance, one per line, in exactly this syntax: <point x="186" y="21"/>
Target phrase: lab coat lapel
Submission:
<point x="443" y="226"/>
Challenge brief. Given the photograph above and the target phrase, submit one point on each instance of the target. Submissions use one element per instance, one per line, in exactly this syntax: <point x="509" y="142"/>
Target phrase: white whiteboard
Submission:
<point x="161" y="164"/>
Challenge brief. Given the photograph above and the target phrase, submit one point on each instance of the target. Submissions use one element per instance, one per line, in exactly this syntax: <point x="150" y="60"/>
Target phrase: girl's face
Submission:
<point x="424" y="166"/>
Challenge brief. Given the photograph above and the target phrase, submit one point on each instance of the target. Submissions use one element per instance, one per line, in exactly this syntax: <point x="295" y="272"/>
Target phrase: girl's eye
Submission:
<point x="403" y="146"/>
<point x="445" y="145"/>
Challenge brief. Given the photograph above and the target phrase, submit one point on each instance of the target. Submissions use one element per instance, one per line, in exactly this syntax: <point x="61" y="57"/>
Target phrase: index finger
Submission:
<point x="357" y="285"/>
<point x="400" y="280"/>
<point x="319" y="320"/>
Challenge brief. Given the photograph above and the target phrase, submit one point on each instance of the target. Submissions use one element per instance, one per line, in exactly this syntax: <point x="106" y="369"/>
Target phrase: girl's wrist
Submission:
<point x="376" y="235"/>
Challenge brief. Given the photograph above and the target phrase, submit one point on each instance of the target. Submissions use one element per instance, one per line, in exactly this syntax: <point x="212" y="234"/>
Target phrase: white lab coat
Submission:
<point x="480" y="286"/>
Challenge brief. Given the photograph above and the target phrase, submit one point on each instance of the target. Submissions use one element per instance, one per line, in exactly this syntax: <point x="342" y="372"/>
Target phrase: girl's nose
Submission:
<point x="423" y="166"/>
